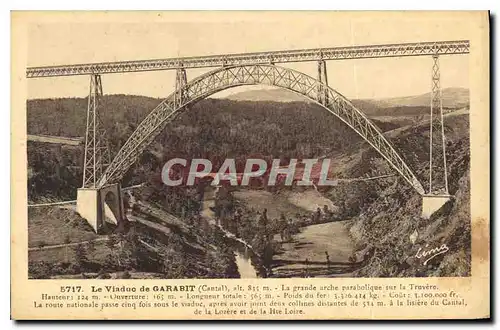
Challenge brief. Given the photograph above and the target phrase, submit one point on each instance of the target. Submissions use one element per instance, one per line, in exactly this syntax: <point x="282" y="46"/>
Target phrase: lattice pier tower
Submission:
<point x="437" y="194"/>
<point x="95" y="203"/>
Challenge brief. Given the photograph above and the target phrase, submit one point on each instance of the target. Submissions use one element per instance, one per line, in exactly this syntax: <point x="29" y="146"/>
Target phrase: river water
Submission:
<point x="243" y="260"/>
<point x="245" y="267"/>
<point x="321" y="250"/>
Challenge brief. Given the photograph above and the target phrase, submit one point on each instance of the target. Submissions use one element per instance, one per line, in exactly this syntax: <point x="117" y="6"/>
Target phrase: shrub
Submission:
<point x="125" y="275"/>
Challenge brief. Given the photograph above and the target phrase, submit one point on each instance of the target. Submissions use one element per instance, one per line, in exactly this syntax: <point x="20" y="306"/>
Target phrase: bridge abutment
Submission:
<point x="98" y="205"/>
<point x="432" y="203"/>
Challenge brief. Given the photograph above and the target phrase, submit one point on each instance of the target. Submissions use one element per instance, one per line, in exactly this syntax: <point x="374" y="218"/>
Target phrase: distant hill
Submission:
<point x="276" y="95"/>
<point x="452" y="98"/>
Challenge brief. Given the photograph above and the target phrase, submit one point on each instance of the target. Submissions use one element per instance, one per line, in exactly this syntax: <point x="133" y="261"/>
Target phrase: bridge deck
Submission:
<point x="285" y="56"/>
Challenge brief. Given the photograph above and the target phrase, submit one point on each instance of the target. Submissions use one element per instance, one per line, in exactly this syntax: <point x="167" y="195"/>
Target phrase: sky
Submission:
<point x="86" y="38"/>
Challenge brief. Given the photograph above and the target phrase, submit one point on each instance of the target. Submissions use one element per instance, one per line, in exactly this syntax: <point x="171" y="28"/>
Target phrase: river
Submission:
<point x="245" y="267"/>
<point x="241" y="254"/>
<point x="321" y="250"/>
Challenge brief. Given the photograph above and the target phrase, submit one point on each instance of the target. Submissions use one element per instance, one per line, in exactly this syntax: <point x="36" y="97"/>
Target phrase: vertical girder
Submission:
<point x="257" y="74"/>
<point x="180" y="82"/>
<point x="97" y="155"/>
<point x="323" y="82"/>
<point x="438" y="173"/>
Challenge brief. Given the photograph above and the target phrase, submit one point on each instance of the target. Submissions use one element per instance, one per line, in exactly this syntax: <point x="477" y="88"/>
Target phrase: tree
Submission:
<point x="282" y="225"/>
<point x="173" y="263"/>
<point x="91" y="248"/>
<point x="111" y="242"/>
<point x="81" y="255"/>
<point x="39" y="269"/>
<point x="267" y="255"/>
<point x="263" y="221"/>
<point x="126" y="275"/>
<point x="317" y="216"/>
<point x="110" y="263"/>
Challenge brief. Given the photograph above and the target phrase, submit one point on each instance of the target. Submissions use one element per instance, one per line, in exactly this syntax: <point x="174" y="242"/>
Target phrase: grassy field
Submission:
<point x="313" y="241"/>
<point x="309" y="200"/>
<point x="54" y="225"/>
<point x="275" y="204"/>
<point x="307" y="251"/>
<point x="67" y="254"/>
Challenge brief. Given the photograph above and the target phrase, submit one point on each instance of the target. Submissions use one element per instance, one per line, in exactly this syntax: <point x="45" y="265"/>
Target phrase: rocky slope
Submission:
<point x="388" y="226"/>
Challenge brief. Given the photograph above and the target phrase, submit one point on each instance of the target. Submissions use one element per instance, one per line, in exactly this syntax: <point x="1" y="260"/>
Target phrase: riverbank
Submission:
<point x="322" y="250"/>
<point x="319" y="250"/>
<point x="247" y="262"/>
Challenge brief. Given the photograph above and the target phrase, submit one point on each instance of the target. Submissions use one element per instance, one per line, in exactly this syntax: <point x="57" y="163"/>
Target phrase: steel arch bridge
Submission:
<point x="256" y="74"/>
<point x="100" y="178"/>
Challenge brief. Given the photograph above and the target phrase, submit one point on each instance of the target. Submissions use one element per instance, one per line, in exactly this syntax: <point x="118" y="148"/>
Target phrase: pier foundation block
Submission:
<point x="100" y="205"/>
<point x="432" y="203"/>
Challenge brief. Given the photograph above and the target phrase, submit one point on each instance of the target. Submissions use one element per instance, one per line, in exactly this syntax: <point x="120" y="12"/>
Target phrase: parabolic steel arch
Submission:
<point x="256" y="74"/>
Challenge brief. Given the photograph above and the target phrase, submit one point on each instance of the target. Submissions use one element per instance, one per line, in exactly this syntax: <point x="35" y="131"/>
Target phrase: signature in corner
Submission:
<point x="430" y="254"/>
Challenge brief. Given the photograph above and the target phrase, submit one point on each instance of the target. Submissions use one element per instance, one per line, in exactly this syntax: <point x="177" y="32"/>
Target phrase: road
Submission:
<point x="56" y="139"/>
<point x="58" y="246"/>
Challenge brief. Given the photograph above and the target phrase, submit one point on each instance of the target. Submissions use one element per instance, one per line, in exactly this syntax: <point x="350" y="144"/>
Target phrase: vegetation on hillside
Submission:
<point x="386" y="211"/>
<point x="389" y="218"/>
<point x="213" y="129"/>
<point x="173" y="248"/>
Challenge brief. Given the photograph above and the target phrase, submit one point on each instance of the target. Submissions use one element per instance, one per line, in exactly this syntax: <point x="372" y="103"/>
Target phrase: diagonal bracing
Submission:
<point x="257" y="74"/>
<point x="270" y="57"/>
<point x="97" y="155"/>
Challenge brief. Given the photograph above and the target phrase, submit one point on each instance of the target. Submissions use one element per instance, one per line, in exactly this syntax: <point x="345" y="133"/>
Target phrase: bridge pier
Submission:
<point x="180" y="82"/>
<point x="323" y="79"/>
<point x="100" y="205"/>
<point x="432" y="203"/>
<point x="97" y="205"/>
<point x="438" y="174"/>
<point x="97" y="155"/>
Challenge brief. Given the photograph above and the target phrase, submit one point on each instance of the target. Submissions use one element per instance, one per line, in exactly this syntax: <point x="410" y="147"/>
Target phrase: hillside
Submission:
<point x="166" y="248"/>
<point x="268" y="94"/>
<point x="453" y="98"/>
<point x="384" y="213"/>
<point x="212" y="128"/>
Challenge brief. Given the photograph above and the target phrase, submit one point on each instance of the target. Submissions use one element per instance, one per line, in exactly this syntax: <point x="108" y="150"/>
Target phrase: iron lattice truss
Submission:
<point x="438" y="176"/>
<point x="272" y="57"/>
<point x="323" y="79"/>
<point x="180" y="81"/>
<point x="97" y="155"/>
<point x="265" y="74"/>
